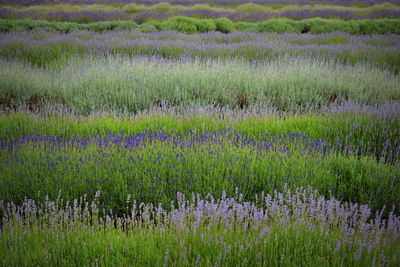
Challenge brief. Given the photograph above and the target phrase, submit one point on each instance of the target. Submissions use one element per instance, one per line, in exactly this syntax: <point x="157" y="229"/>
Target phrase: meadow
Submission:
<point x="225" y="134"/>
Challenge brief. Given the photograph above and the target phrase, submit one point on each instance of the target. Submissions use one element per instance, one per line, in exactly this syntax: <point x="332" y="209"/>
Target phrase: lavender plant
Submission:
<point x="148" y="16"/>
<point x="48" y="49"/>
<point x="136" y="84"/>
<point x="296" y="227"/>
<point x="152" y="166"/>
<point x="364" y="130"/>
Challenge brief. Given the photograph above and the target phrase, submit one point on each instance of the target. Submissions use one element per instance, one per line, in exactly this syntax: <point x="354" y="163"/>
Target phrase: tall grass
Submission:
<point x="118" y="83"/>
<point x="152" y="166"/>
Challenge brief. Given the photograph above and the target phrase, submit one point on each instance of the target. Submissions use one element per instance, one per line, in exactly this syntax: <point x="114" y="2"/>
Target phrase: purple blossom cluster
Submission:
<point x="273" y="142"/>
<point x="294" y="14"/>
<point x="297" y="144"/>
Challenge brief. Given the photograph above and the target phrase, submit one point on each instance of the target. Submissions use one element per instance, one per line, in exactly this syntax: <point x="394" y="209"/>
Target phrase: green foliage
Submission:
<point x="318" y="25"/>
<point x="350" y="155"/>
<point x="64" y="27"/>
<point x="147" y="28"/>
<point x="377" y="26"/>
<point x="224" y="25"/>
<point x="188" y="25"/>
<point x="275" y="25"/>
<point x="245" y="26"/>
<point x="154" y="172"/>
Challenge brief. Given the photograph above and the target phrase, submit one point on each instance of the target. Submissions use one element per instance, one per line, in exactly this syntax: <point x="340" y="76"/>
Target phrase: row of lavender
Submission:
<point x="289" y="227"/>
<point x="40" y="48"/>
<point x="140" y="17"/>
<point x="152" y="166"/>
<point x="329" y="40"/>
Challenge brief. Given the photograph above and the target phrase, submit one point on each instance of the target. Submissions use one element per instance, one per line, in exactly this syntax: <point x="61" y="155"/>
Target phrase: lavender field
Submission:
<point x="140" y="133"/>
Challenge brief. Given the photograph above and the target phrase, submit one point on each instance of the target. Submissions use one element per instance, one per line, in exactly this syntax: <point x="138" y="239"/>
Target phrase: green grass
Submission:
<point x="368" y="131"/>
<point x="294" y="246"/>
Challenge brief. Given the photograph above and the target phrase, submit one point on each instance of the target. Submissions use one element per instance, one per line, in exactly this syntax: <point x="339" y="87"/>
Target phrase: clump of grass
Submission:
<point x="53" y="50"/>
<point x="366" y="129"/>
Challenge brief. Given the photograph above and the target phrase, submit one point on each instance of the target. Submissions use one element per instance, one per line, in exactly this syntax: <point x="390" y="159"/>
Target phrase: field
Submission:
<point x="196" y="134"/>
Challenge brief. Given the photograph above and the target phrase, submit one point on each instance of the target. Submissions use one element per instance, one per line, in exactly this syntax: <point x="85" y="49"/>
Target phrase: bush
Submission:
<point x="147" y="28"/>
<point x="6" y="25"/>
<point x="180" y="24"/>
<point x="246" y="26"/>
<point x="275" y="25"/>
<point x="110" y="26"/>
<point x="64" y="27"/>
<point x="378" y="26"/>
<point x="224" y="25"/>
<point x="208" y="25"/>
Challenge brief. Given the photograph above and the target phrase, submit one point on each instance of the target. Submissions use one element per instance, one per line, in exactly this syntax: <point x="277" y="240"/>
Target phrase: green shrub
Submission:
<point x="245" y="27"/>
<point x="147" y="28"/>
<point x="64" y="27"/>
<point x="275" y="25"/>
<point x="207" y="25"/>
<point x="224" y="25"/>
<point x="188" y="25"/>
<point x="378" y="26"/>
<point x="6" y="25"/>
<point x="181" y="24"/>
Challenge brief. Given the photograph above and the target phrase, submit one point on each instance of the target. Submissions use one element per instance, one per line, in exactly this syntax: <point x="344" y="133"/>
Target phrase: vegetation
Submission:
<point x="140" y="83"/>
<point x="199" y="135"/>
<point x="200" y="232"/>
